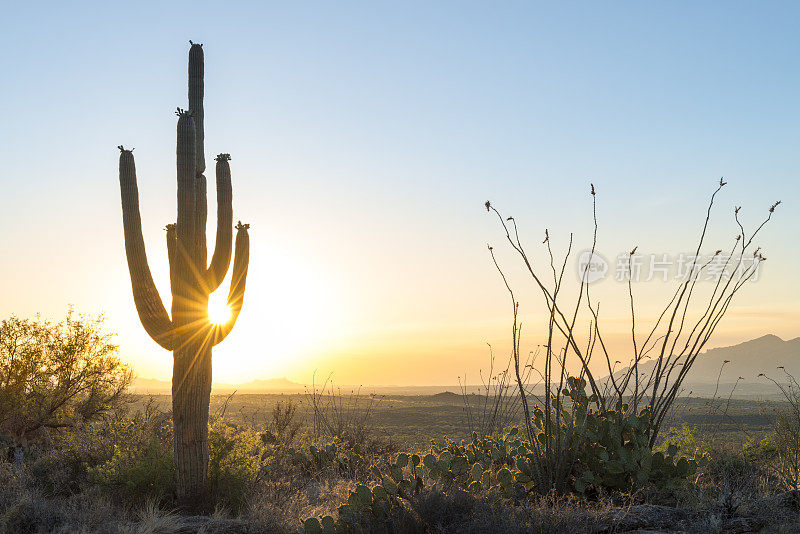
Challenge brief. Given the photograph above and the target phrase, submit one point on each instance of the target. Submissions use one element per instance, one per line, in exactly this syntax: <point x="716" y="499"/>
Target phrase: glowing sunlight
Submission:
<point x="218" y="310"/>
<point x="296" y="311"/>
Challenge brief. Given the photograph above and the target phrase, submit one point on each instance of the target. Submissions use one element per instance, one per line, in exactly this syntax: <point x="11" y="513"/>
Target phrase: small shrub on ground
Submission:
<point x="787" y="434"/>
<point x="140" y="473"/>
<point x="235" y="456"/>
<point x="140" y="463"/>
<point x="337" y="415"/>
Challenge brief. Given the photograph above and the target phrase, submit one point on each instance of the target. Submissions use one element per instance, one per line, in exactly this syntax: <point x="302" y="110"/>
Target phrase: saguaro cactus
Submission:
<point x="189" y="334"/>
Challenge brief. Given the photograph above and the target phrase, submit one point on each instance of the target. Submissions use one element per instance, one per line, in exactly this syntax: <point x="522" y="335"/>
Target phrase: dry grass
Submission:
<point x="433" y="511"/>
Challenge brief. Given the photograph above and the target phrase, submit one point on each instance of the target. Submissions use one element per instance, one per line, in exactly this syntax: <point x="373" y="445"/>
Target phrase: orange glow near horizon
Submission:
<point x="363" y="159"/>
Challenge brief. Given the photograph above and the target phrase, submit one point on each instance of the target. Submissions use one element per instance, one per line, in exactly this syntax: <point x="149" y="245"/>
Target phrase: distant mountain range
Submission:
<point x="762" y="355"/>
<point x="747" y="360"/>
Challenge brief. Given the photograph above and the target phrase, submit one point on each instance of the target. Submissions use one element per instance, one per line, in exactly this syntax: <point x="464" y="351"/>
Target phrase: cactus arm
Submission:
<point x="172" y="247"/>
<point x="201" y="215"/>
<point x="186" y="165"/>
<point x="196" y="90"/>
<point x="196" y="68"/>
<point x="151" y="310"/>
<point x="221" y="259"/>
<point x="187" y="296"/>
<point x="241" y="262"/>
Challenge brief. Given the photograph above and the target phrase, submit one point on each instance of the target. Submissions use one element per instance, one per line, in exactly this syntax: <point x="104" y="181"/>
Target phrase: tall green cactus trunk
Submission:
<point x="188" y="333"/>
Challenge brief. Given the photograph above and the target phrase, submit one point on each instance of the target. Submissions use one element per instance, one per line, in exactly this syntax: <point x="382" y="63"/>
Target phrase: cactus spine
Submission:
<point x="188" y="333"/>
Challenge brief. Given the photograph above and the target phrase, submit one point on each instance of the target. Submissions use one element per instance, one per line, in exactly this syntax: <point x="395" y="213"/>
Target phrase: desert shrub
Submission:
<point x="28" y="514"/>
<point x="787" y="433"/>
<point x="129" y="456"/>
<point x="496" y="404"/>
<point x="285" y="424"/>
<point x="341" y="416"/>
<point x="56" y="375"/>
<point x="763" y="450"/>
<point x="59" y="471"/>
<point x="787" y="448"/>
<point x="26" y="509"/>
<point x="138" y="454"/>
<point x="140" y="474"/>
<point x="235" y="459"/>
<point x="334" y="457"/>
<point x="61" y="468"/>
<point x="731" y="476"/>
<point x="685" y="437"/>
<point x="732" y="481"/>
<point x="141" y="466"/>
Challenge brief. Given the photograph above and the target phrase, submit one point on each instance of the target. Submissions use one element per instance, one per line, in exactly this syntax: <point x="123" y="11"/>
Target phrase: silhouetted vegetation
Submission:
<point x="622" y="414"/>
<point x="54" y="376"/>
<point x="188" y="332"/>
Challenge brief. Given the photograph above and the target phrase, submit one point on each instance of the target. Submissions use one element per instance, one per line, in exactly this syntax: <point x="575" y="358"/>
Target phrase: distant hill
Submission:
<point x="447" y="396"/>
<point x="761" y="355"/>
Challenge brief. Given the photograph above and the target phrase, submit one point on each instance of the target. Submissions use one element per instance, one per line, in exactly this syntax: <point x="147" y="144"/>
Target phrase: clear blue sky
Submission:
<point x="365" y="138"/>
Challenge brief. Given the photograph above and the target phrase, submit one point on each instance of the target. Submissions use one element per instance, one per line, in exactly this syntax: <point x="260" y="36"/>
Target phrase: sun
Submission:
<point x="218" y="310"/>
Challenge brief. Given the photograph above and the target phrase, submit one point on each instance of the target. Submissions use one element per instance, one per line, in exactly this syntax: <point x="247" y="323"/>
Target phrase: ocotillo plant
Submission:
<point x="189" y="333"/>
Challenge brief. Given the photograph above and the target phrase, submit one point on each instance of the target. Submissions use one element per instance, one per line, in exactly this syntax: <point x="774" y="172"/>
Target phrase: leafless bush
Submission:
<point x="787" y="431"/>
<point x="285" y="421"/>
<point x="338" y="415"/>
<point x="674" y="341"/>
<point x="497" y="403"/>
